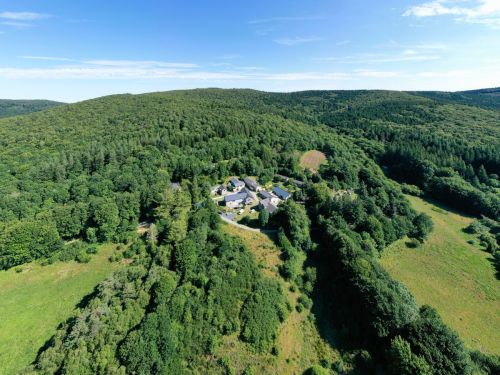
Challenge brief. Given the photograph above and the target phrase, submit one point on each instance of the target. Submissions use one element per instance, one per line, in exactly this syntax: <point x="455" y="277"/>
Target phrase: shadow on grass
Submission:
<point x="495" y="262"/>
<point x="68" y="323"/>
<point x="336" y="323"/>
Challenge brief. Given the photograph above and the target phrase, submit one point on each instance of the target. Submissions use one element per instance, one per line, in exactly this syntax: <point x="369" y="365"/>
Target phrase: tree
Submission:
<point x="441" y="348"/>
<point x="105" y="215"/>
<point x="26" y="240"/>
<point x="483" y="175"/>
<point x="422" y="227"/>
<point x="292" y="217"/>
<point x="263" y="218"/>
<point x="404" y="362"/>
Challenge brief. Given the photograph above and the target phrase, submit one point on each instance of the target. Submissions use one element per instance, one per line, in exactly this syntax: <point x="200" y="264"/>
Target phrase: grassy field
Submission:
<point x="300" y="344"/>
<point x="453" y="276"/>
<point x="312" y="159"/>
<point x="35" y="301"/>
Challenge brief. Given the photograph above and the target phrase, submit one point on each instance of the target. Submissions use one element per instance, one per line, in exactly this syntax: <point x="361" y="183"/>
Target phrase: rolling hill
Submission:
<point x="195" y="299"/>
<point x="10" y="107"/>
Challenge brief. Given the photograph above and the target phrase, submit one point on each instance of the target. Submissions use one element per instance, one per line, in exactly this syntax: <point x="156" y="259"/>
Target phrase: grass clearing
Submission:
<point x="451" y="275"/>
<point x="36" y="300"/>
<point x="300" y="344"/>
<point x="312" y="159"/>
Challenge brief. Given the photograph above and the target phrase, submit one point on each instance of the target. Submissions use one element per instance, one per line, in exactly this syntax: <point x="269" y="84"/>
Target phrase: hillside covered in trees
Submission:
<point x="94" y="170"/>
<point x="20" y="107"/>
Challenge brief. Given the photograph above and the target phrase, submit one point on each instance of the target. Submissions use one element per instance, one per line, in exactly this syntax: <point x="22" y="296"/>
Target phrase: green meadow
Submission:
<point x="36" y="300"/>
<point x="451" y="275"/>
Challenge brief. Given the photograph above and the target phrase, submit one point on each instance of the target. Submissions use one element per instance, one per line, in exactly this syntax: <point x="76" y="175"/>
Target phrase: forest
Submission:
<point x="93" y="170"/>
<point x="20" y="107"/>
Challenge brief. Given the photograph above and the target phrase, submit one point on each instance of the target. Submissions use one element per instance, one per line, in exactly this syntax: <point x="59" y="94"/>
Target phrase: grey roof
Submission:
<point x="268" y="205"/>
<point x="250" y="182"/>
<point x="265" y="194"/>
<point x="235" y="197"/>
<point x="282" y="193"/>
<point x="235" y="182"/>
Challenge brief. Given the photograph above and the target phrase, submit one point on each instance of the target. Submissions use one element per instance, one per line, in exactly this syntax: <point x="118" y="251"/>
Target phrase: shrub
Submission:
<point x="82" y="257"/>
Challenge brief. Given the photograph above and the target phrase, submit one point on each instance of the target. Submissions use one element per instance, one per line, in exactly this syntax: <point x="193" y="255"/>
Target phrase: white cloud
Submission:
<point x="23" y="16"/>
<point x="17" y="24"/>
<point x="46" y="58"/>
<point x="377" y="74"/>
<point x="21" y="20"/>
<point x="297" y="40"/>
<point x="401" y="53"/>
<point x="139" y="64"/>
<point x="137" y="70"/>
<point x="485" y="12"/>
<point x="367" y="58"/>
<point x="303" y="76"/>
<point x="82" y="72"/>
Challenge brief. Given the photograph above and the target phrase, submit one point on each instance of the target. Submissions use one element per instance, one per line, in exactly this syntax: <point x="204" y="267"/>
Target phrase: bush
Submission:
<point x="422" y="226"/>
<point x="413" y="243"/>
<point x="411" y="190"/>
<point x="316" y="370"/>
<point x="305" y="301"/>
<point x="91" y="249"/>
<point x="82" y="258"/>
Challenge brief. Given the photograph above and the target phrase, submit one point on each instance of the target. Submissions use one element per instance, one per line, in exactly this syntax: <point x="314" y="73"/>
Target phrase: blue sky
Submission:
<point x="79" y="49"/>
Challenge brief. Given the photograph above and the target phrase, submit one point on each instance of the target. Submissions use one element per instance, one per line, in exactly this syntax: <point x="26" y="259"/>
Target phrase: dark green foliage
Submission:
<point x="25" y="240"/>
<point x="485" y="364"/>
<point x="262" y="313"/>
<point x="486" y="98"/>
<point x="21" y="107"/>
<point x="87" y="343"/>
<point x="94" y="169"/>
<point x="422" y="227"/>
<point x="293" y="258"/>
<point x="441" y="348"/>
<point x="220" y="291"/>
<point x="386" y="305"/>
<point x="263" y="218"/>
<point x="316" y="370"/>
<point x="404" y="362"/>
<point x="292" y="217"/>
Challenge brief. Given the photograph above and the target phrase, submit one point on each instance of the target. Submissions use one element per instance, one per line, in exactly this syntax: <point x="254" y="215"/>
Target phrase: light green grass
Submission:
<point x="451" y="275"/>
<point x="35" y="301"/>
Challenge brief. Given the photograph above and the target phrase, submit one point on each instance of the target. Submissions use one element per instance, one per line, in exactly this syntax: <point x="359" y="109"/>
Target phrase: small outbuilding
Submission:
<point x="221" y="190"/>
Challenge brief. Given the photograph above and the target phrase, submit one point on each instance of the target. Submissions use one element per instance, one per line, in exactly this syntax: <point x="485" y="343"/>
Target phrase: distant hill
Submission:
<point x="20" y="107"/>
<point x="485" y="98"/>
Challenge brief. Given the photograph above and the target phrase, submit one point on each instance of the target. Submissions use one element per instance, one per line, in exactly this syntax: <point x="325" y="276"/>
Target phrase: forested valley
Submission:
<point x="78" y="175"/>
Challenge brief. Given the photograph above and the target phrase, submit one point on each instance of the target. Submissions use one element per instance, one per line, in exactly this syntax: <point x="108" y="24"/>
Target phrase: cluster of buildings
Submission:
<point x="248" y="192"/>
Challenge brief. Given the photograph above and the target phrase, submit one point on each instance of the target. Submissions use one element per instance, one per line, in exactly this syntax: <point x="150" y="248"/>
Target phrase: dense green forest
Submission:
<point x="20" y="107"/>
<point x="486" y="98"/>
<point x="94" y="169"/>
